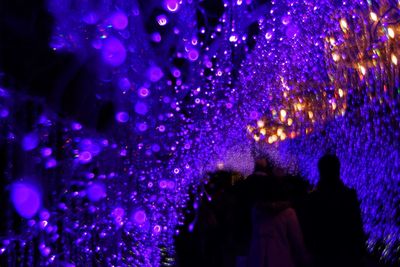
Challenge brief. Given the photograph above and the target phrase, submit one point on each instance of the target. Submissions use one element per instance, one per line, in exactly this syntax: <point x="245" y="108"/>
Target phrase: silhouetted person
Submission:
<point x="186" y="244"/>
<point x="333" y="229"/>
<point x="277" y="240"/>
<point x="214" y="223"/>
<point x="246" y="191"/>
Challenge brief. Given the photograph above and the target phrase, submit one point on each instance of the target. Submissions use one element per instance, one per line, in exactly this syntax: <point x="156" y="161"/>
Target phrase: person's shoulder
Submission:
<point x="289" y="214"/>
<point x="290" y="210"/>
<point x="314" y="194"/>
<point x="256" y="174"/>
<point x="349" y="195"/>
<point x="351" y="192"/>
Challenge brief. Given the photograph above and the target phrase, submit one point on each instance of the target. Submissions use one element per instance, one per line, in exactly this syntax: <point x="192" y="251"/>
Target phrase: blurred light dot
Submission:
<point x="155" y="148"/>
<point x="30" y="141"/>
<point x="172" y="5"/>
<point x="373" y="16"/>
<point x="90" y="145"/>
<point x="176" y="73"/>
<point x="163" y="184"/>
<point x="85" y="157"/>
<point x="233" y="38"/>
<point x="144" y="92"/>
<point x="341" y="93"/>
<point x="139" y="217"/>
<point x="191" y="227"/>
<point x="119" y="20"/>
<point x="91" y="18"/>
<point x="26" y="199"/>
<point x="156" y="37"/>
<point x="343" y="25"/>
<point x="142" y="126"/>
<point x="113" y="52"/>
<point x="286" y="20"/>
<point x="292" y="31"/>
<point x="96" y="191"/>
<point x="394" y="59"/>
<point x="122" y="117"/>
<point x="118" y="212"/>
<point x="193" y="54"/>
<point x="391" y="33"/>
<point x="162" y="20"/>
<point x="124" y="84"/>
<point x="44" y="215"/>
<point x="254" y="115"/>
<point x="155" y="74"/>
<point x="141" y="108"/>
<point x="171" y="184"/>
<point x="157" y="229"/>
<point x="51" y="163"/>
<point x="45" y="251"/>
<point x="76" y="126"/>
<point x="46" y="151"/>
<point x="4" y="113"/>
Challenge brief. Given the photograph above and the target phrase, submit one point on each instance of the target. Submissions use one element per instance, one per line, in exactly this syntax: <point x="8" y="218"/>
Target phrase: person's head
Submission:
<point x="329" y="168"/>
<point x="261" y="165"/>
<point x="218" y="181"/>
<point x="278" y="172"/>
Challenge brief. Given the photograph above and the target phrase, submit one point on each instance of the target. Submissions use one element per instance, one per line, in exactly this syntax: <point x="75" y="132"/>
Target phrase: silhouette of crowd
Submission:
<point x="274" y="219"/>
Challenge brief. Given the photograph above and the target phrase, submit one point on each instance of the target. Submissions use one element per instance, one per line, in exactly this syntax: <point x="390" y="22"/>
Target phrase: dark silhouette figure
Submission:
<point x="333" y="228"/>
<point x="246" y="194"/>
<point x="277" y="239"/>
<point x="214" y="223"/>
<point x="185" y="242"/>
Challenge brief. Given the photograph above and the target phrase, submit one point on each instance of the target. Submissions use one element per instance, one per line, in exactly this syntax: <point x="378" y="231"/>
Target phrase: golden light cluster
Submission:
<point x="298" y="111"/>
<point x="363" y="53"/>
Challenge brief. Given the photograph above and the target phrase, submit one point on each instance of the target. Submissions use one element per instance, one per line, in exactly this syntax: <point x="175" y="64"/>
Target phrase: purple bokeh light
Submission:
<point x="172" y="5"/>
<point x="122" y="117"/>
<point x="46" y="151"/>
<point x="124" y="84"/>
<point x="162" y="20"/>
<point x="96" y="191"/>
<point x="144" y="92"/>
<point x="30" y="141"/>
<point x="141" y="108"/>
<point x="155" y="74"/>
<point x="91" y="18"/>
<point x="26" y="199"/>
<point x="119" y="20"/>
<point x="113" y="52"/>
<point x="139" y="216"/>
<point x="85" y="157"/>
<point x="193" y="55"/>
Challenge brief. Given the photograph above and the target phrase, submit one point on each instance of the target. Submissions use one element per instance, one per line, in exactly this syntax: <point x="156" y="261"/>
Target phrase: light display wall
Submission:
<point x="195" y="86"/>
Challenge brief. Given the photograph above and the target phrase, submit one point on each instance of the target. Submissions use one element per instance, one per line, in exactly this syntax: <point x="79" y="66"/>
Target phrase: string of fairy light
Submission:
<point x="364" y="52"/>
<point x="361" y="51"/>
